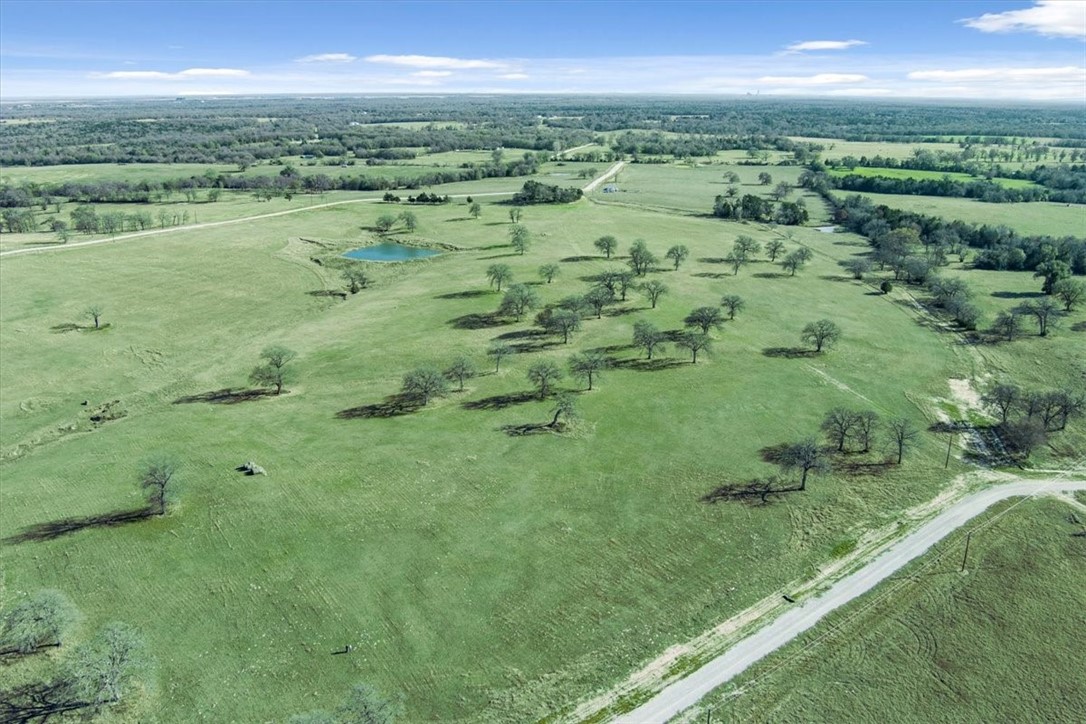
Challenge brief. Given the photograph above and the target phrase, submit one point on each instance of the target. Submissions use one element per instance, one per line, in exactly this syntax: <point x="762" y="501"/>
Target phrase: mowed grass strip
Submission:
<point x="485" y="577"/>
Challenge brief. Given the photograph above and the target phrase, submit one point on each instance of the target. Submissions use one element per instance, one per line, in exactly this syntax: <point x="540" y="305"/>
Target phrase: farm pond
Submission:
<point x="390" y="252"/>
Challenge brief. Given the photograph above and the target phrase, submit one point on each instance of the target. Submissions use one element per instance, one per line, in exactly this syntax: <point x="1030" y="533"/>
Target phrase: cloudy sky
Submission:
<point x="983" y="49"/>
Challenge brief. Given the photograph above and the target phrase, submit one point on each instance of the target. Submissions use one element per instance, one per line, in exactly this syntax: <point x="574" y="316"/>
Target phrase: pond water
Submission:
<point x="390" y="252"/>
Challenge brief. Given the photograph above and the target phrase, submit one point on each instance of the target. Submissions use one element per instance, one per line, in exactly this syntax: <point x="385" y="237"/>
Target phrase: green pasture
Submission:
<point x="1035" y="218"/>
<point x="836" y="148"/>
<point x="484" y="577"/>
<point x="1000" y="641"/>
<point x="679" y="188"/>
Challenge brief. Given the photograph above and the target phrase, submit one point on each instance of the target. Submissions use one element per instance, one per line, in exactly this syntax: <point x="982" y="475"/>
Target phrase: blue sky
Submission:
<point x="1025" y="50"/>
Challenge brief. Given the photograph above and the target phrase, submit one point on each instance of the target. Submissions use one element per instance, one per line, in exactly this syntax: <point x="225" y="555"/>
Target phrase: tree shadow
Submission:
<point x="623" y="311"/>
<point x="339" y="294"/>
<point x="533" y="429"/>
<point x="771" y="275"/>
<point x="538" y="346"/>
<point x="392" y="406"/>
<point x="1078" y="327"/>
<point x="774" y="454"/>
<point x="500" y="402"/>
<point x="836" y="277"/>
<point x="611" y="349"/>
<point x="757" y="491"/>
<point x="648" y="365"/>
<point x="498" y="256"/>
<point x="522" y="334"/>
<point x="582" y="258"/>
<point x="713" y="275"/>
<point x="66" y="327"/>
<point x="712" y="260"/>
<point x="1017" y="295"/>
<point x="66" y="526"/>
<point x="225" y="396"/>
<point x="478" y="321"/>
<point x="468" y="294"/>
<point x="789" y="352"/>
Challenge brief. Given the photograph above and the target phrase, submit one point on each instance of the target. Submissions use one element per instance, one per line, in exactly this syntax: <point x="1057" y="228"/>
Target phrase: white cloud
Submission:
<point x="1054" y="18"/>
<point x="1068" y="73"/>
<point x="818" y="79"/>
<point x="327" y="58"/>
<point x="514" y="76"/>
<point x="824" y="45"/>
<point x="181" y="75"/>
<point x="433" y="61"/>
<point x="432" y="73"/>
<point x="213" y="73"/>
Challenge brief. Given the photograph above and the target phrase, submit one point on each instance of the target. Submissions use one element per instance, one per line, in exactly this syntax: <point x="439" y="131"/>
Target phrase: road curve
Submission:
<point x="686" y="692"/>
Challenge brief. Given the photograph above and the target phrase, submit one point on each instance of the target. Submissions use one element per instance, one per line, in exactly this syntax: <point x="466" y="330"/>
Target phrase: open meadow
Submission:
<point x="482" y="576"/>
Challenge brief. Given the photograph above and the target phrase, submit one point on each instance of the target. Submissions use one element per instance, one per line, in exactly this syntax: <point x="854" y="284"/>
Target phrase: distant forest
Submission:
<point x="244" y="131"/>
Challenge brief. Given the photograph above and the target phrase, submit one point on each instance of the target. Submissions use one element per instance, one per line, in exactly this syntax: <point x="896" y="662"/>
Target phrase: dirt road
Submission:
<point x="604" y="176"/>
<point x="687" y="692"/>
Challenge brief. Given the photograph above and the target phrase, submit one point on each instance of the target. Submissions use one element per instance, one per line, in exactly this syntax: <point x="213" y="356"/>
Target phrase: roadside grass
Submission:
<point x="999" y="642"/>
<point x="486" y="577"/>
<point x="1034" y="218"/>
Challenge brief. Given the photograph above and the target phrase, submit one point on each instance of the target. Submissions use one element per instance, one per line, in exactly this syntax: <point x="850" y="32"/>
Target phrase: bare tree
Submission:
<point x="606" y="244"/>
<point x="838" y="424"/>
<point x="1070" y="292"/>
<point x="273" y="370"/>
<point x="902" y="434"/>
<point x="599" y="297"/>
<point x="95" y="312"/>
<point x="548" y="272"/>
<point x="1045" y="311"/>
<point x="498" y="352"/>
<point x="774" y="248"/>
<point x="424" y="383"/>
<point x="1003" y="397"/>
<point x="588" y="365"/>
<point x="807" y="457"/>
<point x="499" y="274"/>
<point x="565" y="405"/>
<point x="156" y="478"/>
<point x="654" y="289"/>
<point x="519" y="299"/>
<point x="705" y="318"/>
<point x="544" y="374"/>
<point x="38" y="621"/>
<point x="462" y="368"/>
<point x="648" y="337"/>
<point x="520" y="238"/>
<point x="564" y="322"/>
<point x="678" y="254"/>
<point x="1007" y="325"/>
<point x="866" y="423"/>
<point x="695" y="343"/>
<point x="733" y="303"/>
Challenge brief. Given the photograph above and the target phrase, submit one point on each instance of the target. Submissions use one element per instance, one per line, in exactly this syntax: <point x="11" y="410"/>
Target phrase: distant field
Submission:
<point x="836" y="148"/>
<point x="693" y="189"/>
<point x="1001" y="642"/>
<point x="1027" y="218"/>
<point x="903" y="173"/>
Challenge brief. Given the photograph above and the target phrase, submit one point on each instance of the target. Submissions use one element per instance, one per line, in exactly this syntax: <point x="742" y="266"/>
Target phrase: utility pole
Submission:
<point x="968" y="537"/>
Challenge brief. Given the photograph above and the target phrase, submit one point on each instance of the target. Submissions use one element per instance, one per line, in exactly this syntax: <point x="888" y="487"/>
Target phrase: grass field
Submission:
<point x="836" y="148"/>
<point x="482" y="576"/>
<point x="1000" y="642"/>
<point x="903" y="173"/>
<point x="1040" y="218"/>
